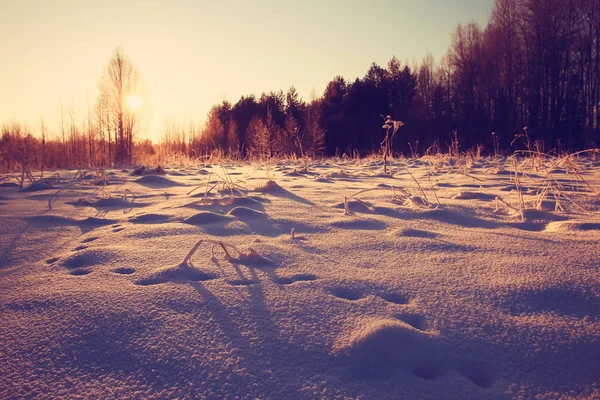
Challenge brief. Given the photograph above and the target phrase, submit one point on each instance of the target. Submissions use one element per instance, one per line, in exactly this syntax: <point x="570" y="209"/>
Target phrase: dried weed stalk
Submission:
<point x="249" y="255"/>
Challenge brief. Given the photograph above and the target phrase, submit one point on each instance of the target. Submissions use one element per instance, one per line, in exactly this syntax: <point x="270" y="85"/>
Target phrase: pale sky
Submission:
<point x="193" y="54"/>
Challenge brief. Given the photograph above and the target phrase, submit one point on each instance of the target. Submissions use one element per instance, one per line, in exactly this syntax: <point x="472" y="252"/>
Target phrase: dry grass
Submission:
<point x="224" y="183"/>
<point x="400" y="195"/>
<point x="242" y="256"/>
<point x="97" y="182"/>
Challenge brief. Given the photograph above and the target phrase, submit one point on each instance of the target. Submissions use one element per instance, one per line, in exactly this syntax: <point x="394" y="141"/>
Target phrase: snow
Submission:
<point x="472" y="299"/>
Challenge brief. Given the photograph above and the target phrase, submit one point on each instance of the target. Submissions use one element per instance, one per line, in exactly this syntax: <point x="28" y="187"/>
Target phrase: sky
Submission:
<point x="194" y="54"/>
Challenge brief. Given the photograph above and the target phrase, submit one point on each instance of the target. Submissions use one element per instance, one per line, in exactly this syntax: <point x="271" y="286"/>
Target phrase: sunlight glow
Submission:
<point x="134" y="102"/>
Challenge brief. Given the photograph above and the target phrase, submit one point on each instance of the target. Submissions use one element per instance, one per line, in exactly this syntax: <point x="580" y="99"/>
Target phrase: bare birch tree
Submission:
<point x="120" y="82"/>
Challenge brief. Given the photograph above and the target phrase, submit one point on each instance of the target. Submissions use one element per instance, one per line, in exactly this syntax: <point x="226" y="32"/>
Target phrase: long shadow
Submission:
<point x="223" y="206"/>
<point x="269" y="349"/>
<point x="451" y="217"/>
<point x="440" y="245"/>
<point x="266" y="226"/>
<point x="523" y="237"/>
<point x="156" y="182"/>
<point x="281" y="192"/>
<point x="559" y="300"/>
<point x="52" y="221"/>
<point x="108" y="345"/>
<point x="574" y="362"/>
<point x="257" y="221"/>
<point x="360" y="224"/>
<point x="219" y="312"/>
<point x="6" y="260"/>
<point x="109" y="204"/>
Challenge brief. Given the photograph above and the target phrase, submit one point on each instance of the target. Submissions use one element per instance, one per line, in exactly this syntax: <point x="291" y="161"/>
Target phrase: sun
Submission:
<point x="134" y="102"/>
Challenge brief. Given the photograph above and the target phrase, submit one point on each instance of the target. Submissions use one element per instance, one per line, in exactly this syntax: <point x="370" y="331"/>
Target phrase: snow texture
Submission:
<point x="330" y="294"/>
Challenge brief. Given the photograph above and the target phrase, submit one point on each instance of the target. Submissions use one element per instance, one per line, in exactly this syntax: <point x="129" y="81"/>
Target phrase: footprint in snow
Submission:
<point x="395" y="298"/>
<point x="347" y="293"/>
<point x="288" y="280"/>
<point x="428" y="371"/>
<point x="415" y="320"/>
<point x="476" y="373"/>
<point x="353" y="294"/>
<point x="124" y="271"/>
<point x="79" y="272"/>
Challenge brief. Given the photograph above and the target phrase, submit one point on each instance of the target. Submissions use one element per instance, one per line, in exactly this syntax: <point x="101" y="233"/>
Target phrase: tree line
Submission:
<point x="103" y="137"/>
<point x="276" y="124"/>
<point x="533" y="71"/>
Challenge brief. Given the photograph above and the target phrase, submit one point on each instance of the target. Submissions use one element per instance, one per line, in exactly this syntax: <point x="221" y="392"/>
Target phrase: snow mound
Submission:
<point x="572" y="226"/>
<point x="8" y="185"/>
<point x="44" y="221"/>
<point x="49" y="221"/>
<point x="456" y="217"/>
<point x="336" y="174"/>
<point x="36" y="187"/>
<point x="415" y="233"/>
<point x="245" y="201"/>
<point x="293" y="173"/>
<point x="532" y="215"/>
<point x="88" y="258"/>
<point x="144" y="170"/>
<point x="113" y="202"/>
<point x="225" y="201"/>
<point x="156" y="181"/>
<point x="245" y="213"/>
<point x="269" y="186"/>
<point x="94" y="221"/>
<point x="150" y="218"/>
<point x="321" y="179"/>
<point x="205" y="217"/>
<point x="359" y="223"/>
<point x="474" y="196"/>
<point x="382" y="348"/>
<point x="356" y="206"/>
